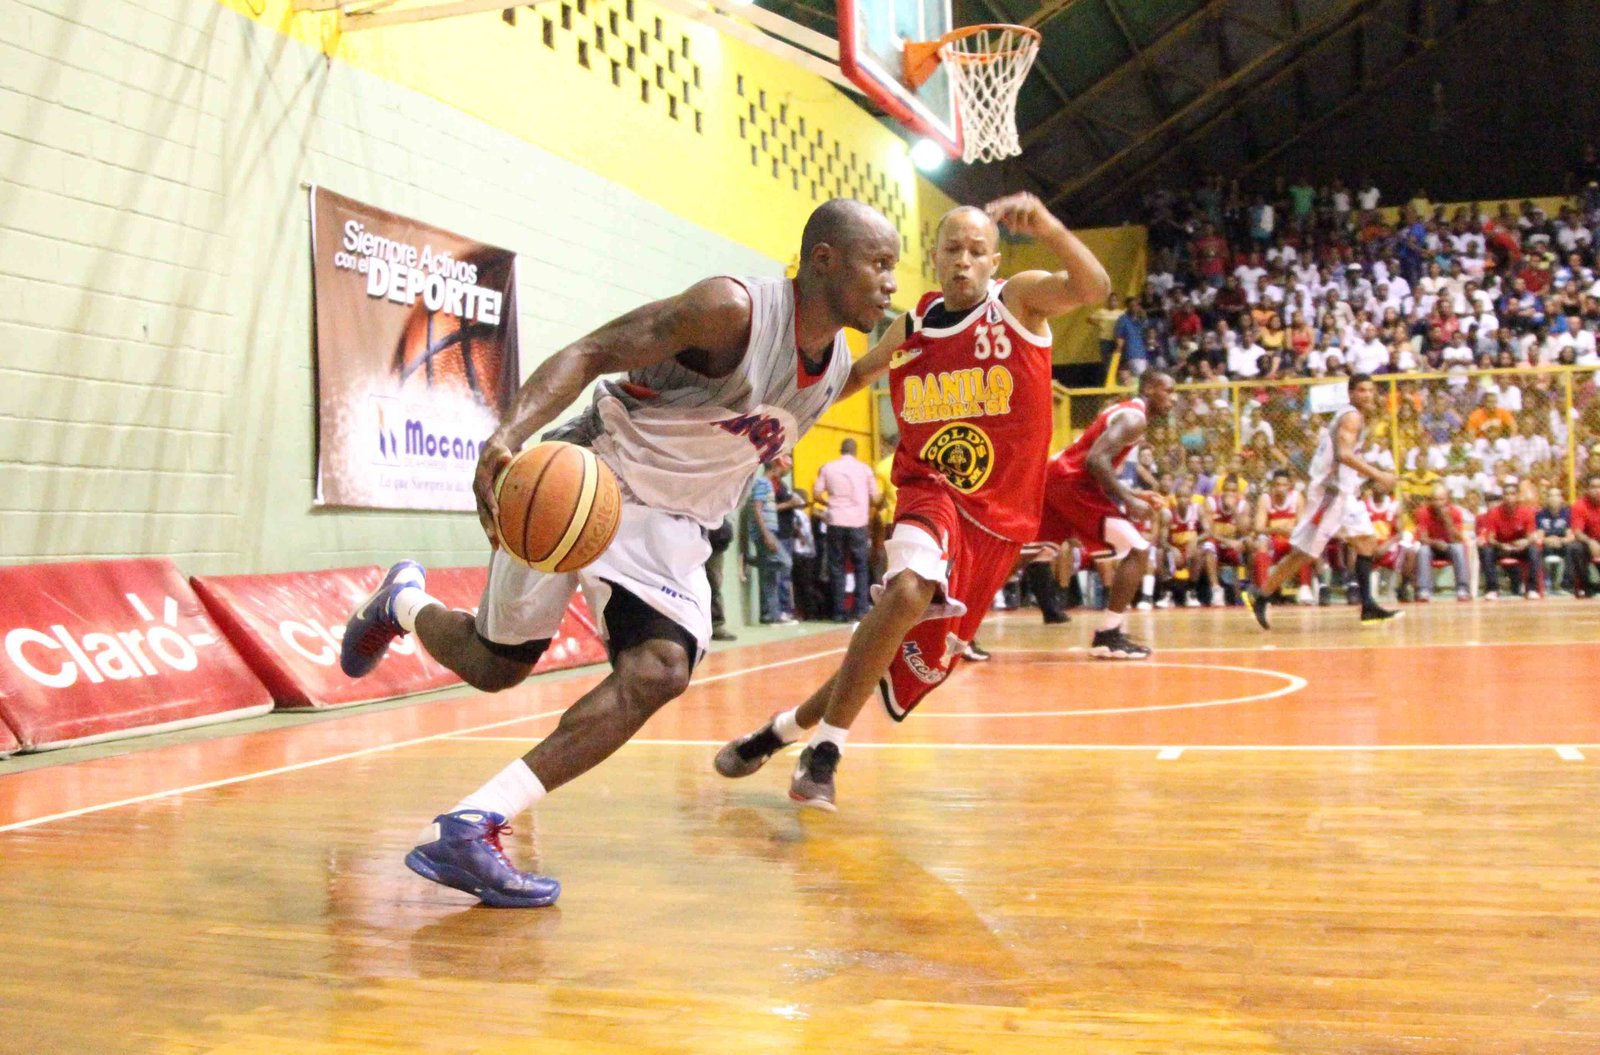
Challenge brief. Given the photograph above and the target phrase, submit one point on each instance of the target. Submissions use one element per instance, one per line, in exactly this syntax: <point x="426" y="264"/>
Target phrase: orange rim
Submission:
<point x="922" y="57"/>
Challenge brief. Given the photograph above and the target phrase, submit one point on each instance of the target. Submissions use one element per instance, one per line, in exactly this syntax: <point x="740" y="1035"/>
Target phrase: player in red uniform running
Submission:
<point x="969" y="376"/>
<point x="1086" y="500"/>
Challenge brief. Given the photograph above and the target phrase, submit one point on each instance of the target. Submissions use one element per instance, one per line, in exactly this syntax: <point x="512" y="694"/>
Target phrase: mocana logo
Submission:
<point x="59" y="659"/>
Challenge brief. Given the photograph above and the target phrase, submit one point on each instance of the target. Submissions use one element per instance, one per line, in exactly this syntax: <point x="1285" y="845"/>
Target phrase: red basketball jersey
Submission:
<point x="972" y="398"/>
<point x="1229" y="522"/>
<point x="1075" y="459"/>
<point x="1286" y="515"/>
<point x="1383" y="513"/>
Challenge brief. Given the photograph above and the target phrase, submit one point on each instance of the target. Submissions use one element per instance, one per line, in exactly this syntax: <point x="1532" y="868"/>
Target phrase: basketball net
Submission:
<point x="987" y="65"/>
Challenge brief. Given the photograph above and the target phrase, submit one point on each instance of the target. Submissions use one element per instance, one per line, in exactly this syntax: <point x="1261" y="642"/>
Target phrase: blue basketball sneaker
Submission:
<point x="372" y="626"/>
<point x="465" y="854"/>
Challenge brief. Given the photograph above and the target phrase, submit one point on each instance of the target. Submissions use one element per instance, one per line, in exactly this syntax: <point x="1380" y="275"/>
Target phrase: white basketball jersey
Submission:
<point x="1327" y="475"/>
<point x="688" y="444"/>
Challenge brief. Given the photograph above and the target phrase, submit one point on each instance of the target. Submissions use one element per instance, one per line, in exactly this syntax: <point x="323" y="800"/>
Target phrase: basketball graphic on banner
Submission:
<point x="417" y="357"/>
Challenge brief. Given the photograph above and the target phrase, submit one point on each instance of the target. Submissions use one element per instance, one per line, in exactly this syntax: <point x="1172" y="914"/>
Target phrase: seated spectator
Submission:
<point x="1232" y="301"/>
<point x="1245" y="360"/>
<point x="1488" y="411"/>
<point x="1440" y="536"/>
<point x="1508" y="532"/>
<point x="1440" y="422"/>
<point x="1554" y="521"/>
<point x="1584" y="550"/>
<point x="1368" y="354"/>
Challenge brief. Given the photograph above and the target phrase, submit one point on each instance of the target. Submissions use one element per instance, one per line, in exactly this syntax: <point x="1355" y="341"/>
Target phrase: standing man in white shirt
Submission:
<point x="848" y="488"/>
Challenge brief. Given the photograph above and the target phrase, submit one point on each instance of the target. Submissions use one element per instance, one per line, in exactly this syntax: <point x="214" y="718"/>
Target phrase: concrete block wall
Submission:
<point x="156" y="385"/>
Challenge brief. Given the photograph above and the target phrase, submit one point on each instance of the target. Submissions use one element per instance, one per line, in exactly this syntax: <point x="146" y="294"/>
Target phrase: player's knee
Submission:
<point x="653" y="674"/>
<point x="908" y="590"/>
<point x="495" y="674"/>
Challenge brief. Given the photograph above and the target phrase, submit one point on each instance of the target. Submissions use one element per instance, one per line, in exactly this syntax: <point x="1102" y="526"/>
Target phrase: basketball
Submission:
<point x="559" y="506"/>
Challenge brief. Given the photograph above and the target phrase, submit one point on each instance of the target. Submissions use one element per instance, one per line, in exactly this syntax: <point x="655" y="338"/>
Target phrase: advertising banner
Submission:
<point x="288" y="628"/>
<point x="93" y="650"/>
<point x="416" y="355"/>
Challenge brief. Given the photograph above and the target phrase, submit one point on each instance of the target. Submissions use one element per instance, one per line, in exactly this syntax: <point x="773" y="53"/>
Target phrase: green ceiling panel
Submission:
<point x="1083" y="45"/>
<point x="1147" y="18"/>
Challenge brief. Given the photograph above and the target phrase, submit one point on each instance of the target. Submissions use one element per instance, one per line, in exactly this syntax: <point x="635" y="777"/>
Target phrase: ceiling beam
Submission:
<point x="1270" y="32"/>
<point x="1159" y="102"/>
<point x="1178" y="31"/>
<point x="1048" y="10"/>
<point x="1302" y="82"/>
<point x="1211" y="122"/>
<point x="1228" y="66"/>
<point x="1309" y="39"/>
<point x="1039" y="67"/>
<point x="1481" y="8"/>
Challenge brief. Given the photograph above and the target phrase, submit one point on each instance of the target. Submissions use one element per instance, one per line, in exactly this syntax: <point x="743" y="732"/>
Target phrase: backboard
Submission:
<point x="872" y="39"/>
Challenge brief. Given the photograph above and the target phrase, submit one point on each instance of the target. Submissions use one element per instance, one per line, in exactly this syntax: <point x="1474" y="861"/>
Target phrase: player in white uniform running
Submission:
<point x="720" y="378"/>
<point x="1333" y="507"/>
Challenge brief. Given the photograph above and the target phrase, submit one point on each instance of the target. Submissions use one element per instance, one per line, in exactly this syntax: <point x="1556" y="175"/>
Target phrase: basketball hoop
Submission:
<point x="987" y="65"/>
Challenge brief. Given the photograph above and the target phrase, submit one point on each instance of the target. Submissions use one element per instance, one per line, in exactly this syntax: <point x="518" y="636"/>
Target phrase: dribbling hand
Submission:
<point x="493" y="457"/>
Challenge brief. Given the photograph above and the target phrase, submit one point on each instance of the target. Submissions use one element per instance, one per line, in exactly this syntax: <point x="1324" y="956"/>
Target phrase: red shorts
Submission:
<point x="979" y="564"/>
<point x="1076" y="507"/>
<point x="1280" y="545"/>
<point x="1389" y="560"/>
<point x="1229" y="553"/>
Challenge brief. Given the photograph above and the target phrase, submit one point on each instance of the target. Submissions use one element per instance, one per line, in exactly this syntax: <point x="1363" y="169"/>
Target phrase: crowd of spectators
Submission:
<point x="1305" y="281"/>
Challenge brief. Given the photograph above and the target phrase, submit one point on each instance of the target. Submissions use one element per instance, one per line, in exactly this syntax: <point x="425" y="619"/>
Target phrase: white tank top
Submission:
<point x="1327" y="475"/>
<point x="689" y="444"/>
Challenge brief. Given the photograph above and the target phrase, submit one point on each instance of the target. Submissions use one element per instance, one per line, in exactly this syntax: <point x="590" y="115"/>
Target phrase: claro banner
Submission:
<point x="100" y="649"/>
<point x="416" y="356"/>
<point x="288" y="629"/>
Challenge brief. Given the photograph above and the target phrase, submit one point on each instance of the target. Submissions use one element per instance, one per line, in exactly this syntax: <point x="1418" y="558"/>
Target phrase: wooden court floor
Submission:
<point x="1331" y="839"/>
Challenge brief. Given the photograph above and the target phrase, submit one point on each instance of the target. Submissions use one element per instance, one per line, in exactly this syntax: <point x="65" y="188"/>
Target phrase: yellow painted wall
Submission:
<point x="729" y="138"/>
<point x="772" y="140"/>
<point x="849" y="418"/>
<point x="1123" y="251"/>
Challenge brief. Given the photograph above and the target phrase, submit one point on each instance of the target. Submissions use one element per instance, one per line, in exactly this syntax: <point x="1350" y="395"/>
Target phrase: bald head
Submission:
<point x="848" y="254"/>
<point x="969" y="214"/>
<point x="966" y="254"/>
<point x="839" y="222"/>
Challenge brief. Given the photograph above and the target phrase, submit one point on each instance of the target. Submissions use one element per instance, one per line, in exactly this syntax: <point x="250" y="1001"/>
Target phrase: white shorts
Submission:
<point x="1338" y="515"/>
<point x="911" y="548"/>
<point x="658" y="557"/>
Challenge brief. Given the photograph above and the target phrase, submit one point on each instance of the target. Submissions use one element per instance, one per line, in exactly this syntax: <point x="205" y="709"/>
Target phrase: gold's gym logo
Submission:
<point x="963" y="453"/>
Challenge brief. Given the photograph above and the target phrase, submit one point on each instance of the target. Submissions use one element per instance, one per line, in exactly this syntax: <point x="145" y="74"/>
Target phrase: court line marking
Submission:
<point x="1568" y="753"/>
<point x="347" y="755"/>
<point x="1401" y="647"/>
<point x="1294" y="684"/>
<point x="905" y="745"/>
<point x="1169" y="754"/>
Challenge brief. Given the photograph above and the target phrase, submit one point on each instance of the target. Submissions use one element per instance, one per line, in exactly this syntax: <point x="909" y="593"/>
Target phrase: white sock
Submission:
<point x="1112" y="620"/>
<point x="1149" y="585"/>
<point x="831" y="734"/>
<point x="787" y="728"/>
<point x="408" y="603"/>
<point x="508" y="793"/>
